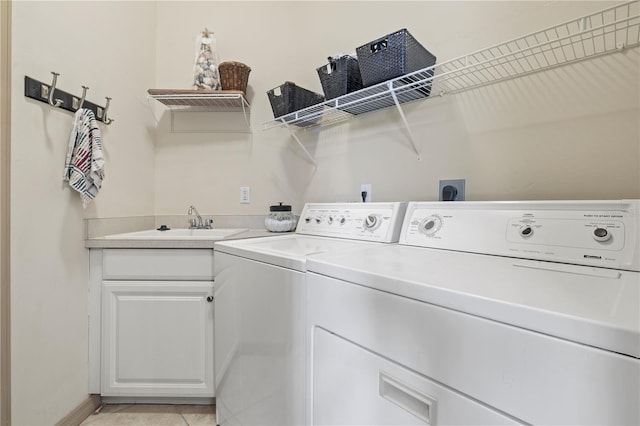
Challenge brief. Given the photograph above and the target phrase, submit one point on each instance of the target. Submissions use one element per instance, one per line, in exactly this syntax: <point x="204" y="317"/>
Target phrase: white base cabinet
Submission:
<point x="155" y="327"/>
<point x="157" y="338"/>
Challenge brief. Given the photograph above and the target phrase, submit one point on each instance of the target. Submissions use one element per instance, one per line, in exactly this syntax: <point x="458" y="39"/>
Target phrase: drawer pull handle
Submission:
<point x="411" y="400"/>
<point x="209" y="299"/>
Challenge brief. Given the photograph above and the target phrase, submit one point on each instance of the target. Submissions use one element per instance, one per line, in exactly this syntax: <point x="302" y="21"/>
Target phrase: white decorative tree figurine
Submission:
<point x="205" y="70"/>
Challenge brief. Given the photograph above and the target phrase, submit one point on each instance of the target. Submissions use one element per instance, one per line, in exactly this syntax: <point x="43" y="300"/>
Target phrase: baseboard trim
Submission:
<point x="158" y="400"/>
<point x="81" y="412"/>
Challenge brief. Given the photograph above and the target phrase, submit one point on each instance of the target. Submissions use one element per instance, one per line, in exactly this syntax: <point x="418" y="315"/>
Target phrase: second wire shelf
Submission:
<point x="606" y="31"/>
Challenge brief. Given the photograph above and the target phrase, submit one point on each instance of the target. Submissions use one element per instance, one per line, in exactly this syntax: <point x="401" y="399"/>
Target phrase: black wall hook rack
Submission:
<point x="50" y="94"/>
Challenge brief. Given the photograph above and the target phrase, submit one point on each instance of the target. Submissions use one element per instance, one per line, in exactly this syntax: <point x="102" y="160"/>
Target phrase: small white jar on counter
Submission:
<point x="280" y="219"/>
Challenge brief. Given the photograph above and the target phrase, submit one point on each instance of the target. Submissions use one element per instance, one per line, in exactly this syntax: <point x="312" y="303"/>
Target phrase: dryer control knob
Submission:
<point x="330" y="220"/>
<point x="307" y="219"/>
<point x="526" y="231"/>
<point x="318" y="220"/>
<point x="601" y="234"/>
<point x="371" y="222"/>
<point x="342" y="220"/>
<point x="430" y="225"/>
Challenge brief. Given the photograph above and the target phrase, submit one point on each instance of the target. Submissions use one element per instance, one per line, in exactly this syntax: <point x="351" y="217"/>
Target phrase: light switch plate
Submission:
<point x="245" y="195"/>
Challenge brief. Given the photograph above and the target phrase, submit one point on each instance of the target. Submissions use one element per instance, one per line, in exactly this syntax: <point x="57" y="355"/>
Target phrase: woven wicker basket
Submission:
<point x="391" y="56"/>
<point x="234" y="76"/>
<point x="340" y="77"/>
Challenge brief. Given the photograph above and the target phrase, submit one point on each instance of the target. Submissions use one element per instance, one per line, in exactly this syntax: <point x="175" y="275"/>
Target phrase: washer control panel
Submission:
<point x="359" y="221"/>
<point x="598" y="233"/>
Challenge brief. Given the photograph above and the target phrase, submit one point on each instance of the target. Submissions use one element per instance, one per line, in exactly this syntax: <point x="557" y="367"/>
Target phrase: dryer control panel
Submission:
<point x="597" y="233"/>
<point x="358" y="221"/>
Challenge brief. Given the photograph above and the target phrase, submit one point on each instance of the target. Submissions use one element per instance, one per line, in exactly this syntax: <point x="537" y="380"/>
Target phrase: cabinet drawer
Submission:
<point x="157" y="264"/>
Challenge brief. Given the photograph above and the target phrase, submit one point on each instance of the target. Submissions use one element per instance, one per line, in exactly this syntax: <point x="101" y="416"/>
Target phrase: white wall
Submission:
<point x="569" y="133"/>
<point x="572" y="132"/>
<point x="108" y="46"/>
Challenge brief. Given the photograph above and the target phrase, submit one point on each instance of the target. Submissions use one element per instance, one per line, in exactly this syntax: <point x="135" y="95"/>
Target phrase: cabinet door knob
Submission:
<point x="209" y="299"/>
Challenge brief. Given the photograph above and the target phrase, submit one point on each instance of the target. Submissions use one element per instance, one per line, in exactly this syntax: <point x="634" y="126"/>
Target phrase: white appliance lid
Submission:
<point x="593" y="306"/>
<point x="288" y="251"/>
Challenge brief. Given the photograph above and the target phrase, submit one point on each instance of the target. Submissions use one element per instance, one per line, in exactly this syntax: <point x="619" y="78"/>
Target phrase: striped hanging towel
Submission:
<point x="84" y="166"/>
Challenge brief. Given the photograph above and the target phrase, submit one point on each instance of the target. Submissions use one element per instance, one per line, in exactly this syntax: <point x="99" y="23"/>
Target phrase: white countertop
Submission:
<point x="124" y="242"/>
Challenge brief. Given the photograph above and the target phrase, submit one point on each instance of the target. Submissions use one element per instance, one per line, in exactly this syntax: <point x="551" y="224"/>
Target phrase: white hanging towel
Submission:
<point x="84" y="167"/>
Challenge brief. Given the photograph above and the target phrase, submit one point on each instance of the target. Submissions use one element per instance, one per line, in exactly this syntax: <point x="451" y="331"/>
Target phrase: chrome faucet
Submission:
<point x="196" y="223"/>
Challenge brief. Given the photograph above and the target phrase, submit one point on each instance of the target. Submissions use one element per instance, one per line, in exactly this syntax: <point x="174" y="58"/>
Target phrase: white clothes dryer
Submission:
<point x="484" y="313"/>
<point x="260" y="351"/>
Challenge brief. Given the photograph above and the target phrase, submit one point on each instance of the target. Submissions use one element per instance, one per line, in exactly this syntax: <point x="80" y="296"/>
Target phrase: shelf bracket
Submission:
<point x="151" y="109"/>
<point x="404" y="120"/>
<point x="294" y="136"/>
<point x="246" y="117"/>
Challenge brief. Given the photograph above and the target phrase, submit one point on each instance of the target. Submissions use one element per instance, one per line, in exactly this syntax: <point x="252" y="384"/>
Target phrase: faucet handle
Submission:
<point x="208" y="223"/>
<point x="193" y="223"/>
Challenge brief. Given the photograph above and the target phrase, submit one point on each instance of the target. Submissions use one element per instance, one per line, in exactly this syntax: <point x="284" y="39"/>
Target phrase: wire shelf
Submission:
<point x="610" y="30"/>
<point x="211" y="100"/>
<point x="180" y="100"/>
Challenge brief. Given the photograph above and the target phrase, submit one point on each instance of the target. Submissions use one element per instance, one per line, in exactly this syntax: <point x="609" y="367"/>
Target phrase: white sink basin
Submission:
<point x="178" y="234"/>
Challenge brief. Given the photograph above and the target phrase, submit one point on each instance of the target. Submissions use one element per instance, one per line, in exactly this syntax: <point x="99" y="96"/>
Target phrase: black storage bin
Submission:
<point x="392" y="56"/>
<point x="291" y="98"/>
<point x="340" y="76"/>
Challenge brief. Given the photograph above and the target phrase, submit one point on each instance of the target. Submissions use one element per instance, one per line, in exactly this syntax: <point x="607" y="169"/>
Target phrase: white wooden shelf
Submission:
<point x="607" y="31"/>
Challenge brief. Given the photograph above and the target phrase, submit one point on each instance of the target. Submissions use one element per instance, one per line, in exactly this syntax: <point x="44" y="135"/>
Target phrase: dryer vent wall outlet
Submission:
<point x="451" y="190"/>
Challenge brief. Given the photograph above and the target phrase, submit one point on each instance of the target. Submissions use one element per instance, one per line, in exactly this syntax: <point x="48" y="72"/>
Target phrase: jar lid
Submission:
<point x="280" y="208"/>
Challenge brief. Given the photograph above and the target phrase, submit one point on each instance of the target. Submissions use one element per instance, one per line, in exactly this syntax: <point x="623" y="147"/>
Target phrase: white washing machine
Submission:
<point x="260" y="341"/>
<point x="484" y="313"/>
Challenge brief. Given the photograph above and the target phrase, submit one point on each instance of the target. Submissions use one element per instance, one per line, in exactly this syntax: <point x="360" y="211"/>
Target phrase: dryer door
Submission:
<point x="354" y="386"/>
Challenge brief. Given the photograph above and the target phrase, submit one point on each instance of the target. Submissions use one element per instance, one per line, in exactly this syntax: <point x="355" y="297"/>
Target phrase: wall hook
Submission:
<point x="105" y="117"/>
<point x="57" y="102"/>
<point x="55" y="97"/>
<point x="84" y="94"/>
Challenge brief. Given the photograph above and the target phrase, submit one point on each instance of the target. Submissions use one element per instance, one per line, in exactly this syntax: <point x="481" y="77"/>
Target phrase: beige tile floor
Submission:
<point x="153" y="415"/>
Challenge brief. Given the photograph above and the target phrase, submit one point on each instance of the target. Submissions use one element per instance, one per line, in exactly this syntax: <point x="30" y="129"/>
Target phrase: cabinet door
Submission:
<point x="157" y="338"/>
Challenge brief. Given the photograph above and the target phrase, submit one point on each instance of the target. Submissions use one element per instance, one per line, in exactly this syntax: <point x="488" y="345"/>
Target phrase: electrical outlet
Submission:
<point x="245" y="195"/>
<point x="365" y="187"/>
<point x="451" y="190"/>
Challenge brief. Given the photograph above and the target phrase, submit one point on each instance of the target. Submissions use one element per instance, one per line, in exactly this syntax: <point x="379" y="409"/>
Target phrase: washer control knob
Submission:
<point x="330" y="220"/>
<point x="318" y="220"/>
<point x="371" y="222"/>
<point x="526" y="231"/>
<point x="342" y="220"/>
<point x="307" y="219"/>
<point x="601" y="234"/>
